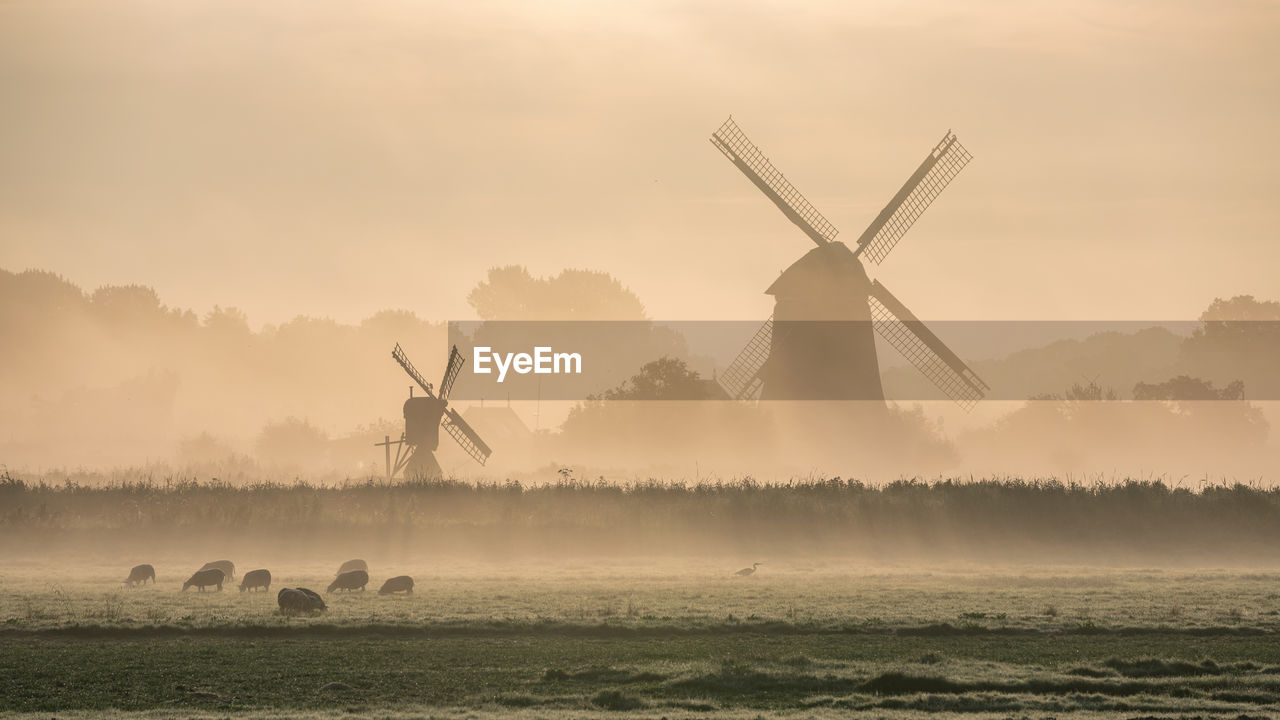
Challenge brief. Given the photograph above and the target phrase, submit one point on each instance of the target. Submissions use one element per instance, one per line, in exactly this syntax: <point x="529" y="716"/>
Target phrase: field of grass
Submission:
<point x="649" y="638"/>
<point x="580" y="599"/>
<point x="643" y="594"/>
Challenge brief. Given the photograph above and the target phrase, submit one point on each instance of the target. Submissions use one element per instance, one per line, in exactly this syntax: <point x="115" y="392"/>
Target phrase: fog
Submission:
<point x="216" y="219"/>
<point x="114" y="379"/>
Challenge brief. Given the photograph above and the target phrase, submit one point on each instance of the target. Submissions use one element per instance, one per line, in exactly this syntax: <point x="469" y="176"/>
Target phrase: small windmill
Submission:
<point x="423" y="418"/>
<point x="818" y="344"/>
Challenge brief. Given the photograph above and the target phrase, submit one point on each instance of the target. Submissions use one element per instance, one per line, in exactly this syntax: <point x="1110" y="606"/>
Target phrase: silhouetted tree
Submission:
<point x="1091" y="392"/>
<point x="511" y="293"/>
<point x="1241" y="315"/>
<point x="666" y="378"/>
<point x="292" y="442"/>
<point x="1239" y="340"/>
<point x="226" y="322"/>
<point x="1184" y="387"/>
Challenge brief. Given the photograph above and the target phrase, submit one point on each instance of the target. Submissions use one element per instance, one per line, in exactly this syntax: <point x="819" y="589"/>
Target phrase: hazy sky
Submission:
<point x="337" y="158"/>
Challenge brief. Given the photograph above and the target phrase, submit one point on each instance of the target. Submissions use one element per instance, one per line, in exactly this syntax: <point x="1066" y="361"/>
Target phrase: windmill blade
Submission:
<point x="909" y="336"/>
<point x="730" y="140"/>
<point x="456" y="361"/>
<point x="403" y="359"/>
<point x="741" y="380"/>
<point x="465" y="436"/>
<point x="943" y="163"/>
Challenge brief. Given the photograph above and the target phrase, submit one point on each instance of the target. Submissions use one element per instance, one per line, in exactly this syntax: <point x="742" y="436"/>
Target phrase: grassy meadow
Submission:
<point x="563" y="628"/>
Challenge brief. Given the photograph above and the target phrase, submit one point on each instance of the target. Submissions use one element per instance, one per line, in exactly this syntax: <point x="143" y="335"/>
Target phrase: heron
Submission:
<point x="748" y="571"/>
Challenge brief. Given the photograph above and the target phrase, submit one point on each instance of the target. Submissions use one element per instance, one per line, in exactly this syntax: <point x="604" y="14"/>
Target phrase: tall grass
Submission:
<point x="1009" y="518"/>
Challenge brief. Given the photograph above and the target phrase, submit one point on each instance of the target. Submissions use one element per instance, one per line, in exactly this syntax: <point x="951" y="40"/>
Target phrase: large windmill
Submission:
<point x="818" y="344"/>
<point x="424" y="415"/>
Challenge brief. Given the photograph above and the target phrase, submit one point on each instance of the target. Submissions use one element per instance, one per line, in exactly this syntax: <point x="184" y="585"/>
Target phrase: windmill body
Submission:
<point x="422" y="416"/>
<point x="820" y="344"/>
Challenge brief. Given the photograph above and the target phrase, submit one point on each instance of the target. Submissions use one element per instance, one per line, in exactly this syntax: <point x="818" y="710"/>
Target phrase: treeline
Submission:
<point x="941" y="521"/>
<point x="1234" y="345"/>
<point x="114" y="376"/>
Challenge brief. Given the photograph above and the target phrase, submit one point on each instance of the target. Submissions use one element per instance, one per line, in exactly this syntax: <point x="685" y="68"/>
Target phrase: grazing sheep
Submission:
<point x="140" y="574"/>
<point x="350" y="565"/>
<point x="227" y="567"/>
<point x="350" y="581"/>
<point x="204" y="578"/>
<point x="400" y="583"/>
<point x="295" y="600"/>
<point x="256" y="579"/>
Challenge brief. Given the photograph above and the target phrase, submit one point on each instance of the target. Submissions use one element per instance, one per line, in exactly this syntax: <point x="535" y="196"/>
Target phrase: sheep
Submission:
<point x="350" y="581"/>
<point x="397" y="584"/>
<point x="256" y="579"/>
<point x="350" y="565"/>
<point x="227" y="567"/>
<point x="204" y="578"/>
<point x="296" y="600"/>
<point x="140" y="574"/>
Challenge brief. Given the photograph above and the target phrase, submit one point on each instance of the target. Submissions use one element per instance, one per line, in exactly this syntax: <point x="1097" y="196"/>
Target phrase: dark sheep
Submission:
<point x="205" y="578"/>
<point x="227" y="567"/>
<point x="350" y="565"/>
<point x="400" y="583"/>
<point x="296" y="600"/>
<point x="256" y="579"/>
<point x="140" y="574"/>
<point x="356" y="579"/>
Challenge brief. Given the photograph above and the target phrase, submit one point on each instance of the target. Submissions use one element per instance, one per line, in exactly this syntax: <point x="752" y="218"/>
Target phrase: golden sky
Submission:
<point x="336" y="158"/>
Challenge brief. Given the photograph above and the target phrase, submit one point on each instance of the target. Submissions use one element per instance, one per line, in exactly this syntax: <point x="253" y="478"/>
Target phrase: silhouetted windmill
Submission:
<point x="423" y="418"/>
<point x="818" y="344"/>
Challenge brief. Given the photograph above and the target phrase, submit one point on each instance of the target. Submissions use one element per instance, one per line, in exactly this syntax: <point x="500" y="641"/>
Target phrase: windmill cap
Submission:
<point x="830" y="269"/>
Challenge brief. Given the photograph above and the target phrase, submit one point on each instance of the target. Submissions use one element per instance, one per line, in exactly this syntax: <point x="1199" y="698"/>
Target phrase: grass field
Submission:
<point x="584" y="599"/>
<point x="650" y="638"/>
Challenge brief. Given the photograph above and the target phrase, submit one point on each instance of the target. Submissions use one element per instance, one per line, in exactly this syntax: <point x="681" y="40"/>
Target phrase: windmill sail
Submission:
<point x="731" y="141"/>
<point x="465" y="436"/>
<point x="741" y="380"/>
<point x="403" y="359"/>
<point x="451" y="372"/>
<point x="909" y="336"/>
<point x="943" y="163"/>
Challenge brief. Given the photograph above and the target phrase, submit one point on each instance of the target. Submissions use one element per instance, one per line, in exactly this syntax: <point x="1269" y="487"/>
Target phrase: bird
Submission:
<point x="748" y="571"/>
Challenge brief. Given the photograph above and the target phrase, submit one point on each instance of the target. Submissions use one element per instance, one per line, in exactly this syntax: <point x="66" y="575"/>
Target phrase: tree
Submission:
<point x="1093" y="392"/>
<point x="1241" y="308"/>
<point x="1185" y="387"/>
<point x="666" y="378"/>
<point x="135" y="309"/>
<point x="1241" y="318"/>
<point x="293" y="443"/>
<point x="1239" y="340"/>
<point x="511" y="293"/>
<point x="227" y="322"/>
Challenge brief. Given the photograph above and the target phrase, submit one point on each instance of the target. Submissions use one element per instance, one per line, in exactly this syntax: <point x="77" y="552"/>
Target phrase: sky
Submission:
<point x="335" y="159"/>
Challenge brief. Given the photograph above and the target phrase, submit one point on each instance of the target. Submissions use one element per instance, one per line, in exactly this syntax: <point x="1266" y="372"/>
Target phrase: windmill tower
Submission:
<point x="818" y="345"/>
<point x="424" y="416"/>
